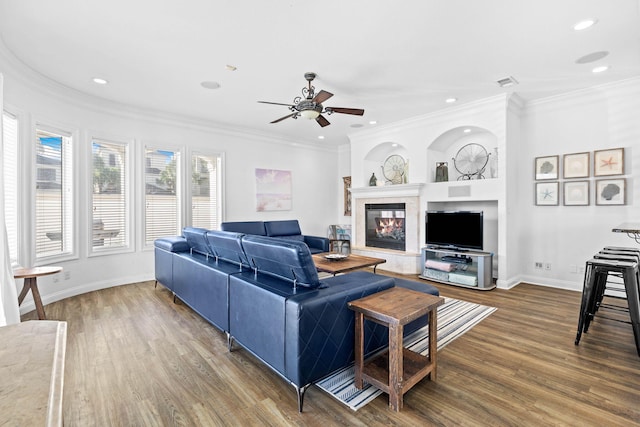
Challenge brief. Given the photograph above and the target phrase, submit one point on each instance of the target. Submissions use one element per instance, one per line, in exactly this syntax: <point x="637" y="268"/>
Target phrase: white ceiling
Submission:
<point x="395" y="59"/>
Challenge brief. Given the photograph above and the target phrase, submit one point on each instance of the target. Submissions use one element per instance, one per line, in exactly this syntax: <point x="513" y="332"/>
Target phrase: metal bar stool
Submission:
<point x="596" y="273"/>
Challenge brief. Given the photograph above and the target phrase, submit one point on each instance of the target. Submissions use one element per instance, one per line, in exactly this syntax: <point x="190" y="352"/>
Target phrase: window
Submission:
<point x="205" y="210"/>
<point x="110" y="195"/>
<point x="54" y="193"/>
<point x="10" y="180"/>
<point x="162" y="202"/>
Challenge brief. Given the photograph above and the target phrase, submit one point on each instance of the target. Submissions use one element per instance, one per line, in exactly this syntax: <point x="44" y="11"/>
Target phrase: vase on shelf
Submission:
<point x="442" y="172"/>
<point x="493" y="163"/>
<point x="373" y="181"/>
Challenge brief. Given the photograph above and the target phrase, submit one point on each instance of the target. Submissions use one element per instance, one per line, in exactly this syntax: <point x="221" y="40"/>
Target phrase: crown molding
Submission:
<point x="16" y="70"/>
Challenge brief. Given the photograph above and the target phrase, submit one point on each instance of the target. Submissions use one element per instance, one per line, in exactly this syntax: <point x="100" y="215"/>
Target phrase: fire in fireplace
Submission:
<point x="385" y="225"/>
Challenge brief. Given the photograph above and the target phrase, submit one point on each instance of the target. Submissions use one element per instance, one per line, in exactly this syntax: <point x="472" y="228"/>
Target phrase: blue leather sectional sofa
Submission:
<point x="265" y="294"/>
<point x="287" y="229"/>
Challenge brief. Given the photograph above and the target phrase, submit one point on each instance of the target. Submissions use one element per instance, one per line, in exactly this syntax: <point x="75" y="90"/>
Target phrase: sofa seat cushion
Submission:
<point x="286" y="259"/>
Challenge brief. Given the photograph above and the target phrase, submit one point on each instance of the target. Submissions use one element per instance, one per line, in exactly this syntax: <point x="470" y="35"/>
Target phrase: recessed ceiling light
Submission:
<point x="600" y="69"/>
<point x="584" y="24"/>
<point x="395" y="144"/>
<point x="450" y="100"/>
<point x="467" y="130"/>
<point x="320" y="136"/>
<point x="372" y="122"/>
<point x="100" y="81"/>
<point x="210" y="85"/>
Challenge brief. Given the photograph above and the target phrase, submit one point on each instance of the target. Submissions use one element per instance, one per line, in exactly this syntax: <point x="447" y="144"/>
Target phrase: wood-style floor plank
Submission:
<point x="136" y="358"/>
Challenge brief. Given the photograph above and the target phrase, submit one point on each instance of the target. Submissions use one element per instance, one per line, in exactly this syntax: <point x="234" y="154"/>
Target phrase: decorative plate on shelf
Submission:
<point x="336" y="257"/>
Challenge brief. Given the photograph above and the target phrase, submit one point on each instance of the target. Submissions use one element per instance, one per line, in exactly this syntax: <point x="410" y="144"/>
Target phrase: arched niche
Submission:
<point x="445" y="147"/>
<point x="376" y="156"/>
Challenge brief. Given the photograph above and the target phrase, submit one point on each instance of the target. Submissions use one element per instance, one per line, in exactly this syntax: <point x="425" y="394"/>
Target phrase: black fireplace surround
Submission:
<point x="385" y="225"/>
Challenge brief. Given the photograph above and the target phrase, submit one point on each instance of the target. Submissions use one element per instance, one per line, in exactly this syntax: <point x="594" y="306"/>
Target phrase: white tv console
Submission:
<point x="471" y="269"/>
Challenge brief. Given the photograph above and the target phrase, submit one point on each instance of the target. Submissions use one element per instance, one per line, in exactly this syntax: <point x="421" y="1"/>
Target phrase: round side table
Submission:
<point x="30" y="276"/>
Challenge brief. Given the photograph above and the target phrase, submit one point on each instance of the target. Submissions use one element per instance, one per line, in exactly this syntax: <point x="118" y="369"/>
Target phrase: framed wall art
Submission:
<point x="547" y="193"/>
<point x="273" y="190"/>
<point x="608" y="162"/>
<point x="611" y="191"/>
<point x="346" y="180"/>
<point x="575" y="165"/>
<point x="575" y="193"/>
<point x="546" y="167"/>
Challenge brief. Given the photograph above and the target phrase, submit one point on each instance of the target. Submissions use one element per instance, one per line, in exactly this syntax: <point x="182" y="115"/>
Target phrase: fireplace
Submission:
<point x="385" y="225"/>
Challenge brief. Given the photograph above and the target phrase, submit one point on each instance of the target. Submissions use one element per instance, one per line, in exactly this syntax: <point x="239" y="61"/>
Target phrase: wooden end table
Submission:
<point x="30" y="276"/>
<point x="398" y="369"/>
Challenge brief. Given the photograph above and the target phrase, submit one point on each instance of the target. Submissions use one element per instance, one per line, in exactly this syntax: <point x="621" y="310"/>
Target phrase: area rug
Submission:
<point x="455" y="317"/>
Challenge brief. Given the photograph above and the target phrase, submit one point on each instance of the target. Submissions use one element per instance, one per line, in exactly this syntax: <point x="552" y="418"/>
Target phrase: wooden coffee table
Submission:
<point x="397" y="370"/>
<point x="350" y="263"/>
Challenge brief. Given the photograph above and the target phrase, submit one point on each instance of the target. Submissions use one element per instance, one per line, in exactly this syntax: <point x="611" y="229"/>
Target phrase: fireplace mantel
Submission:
<point x="404" y="262"/>
<point x="398" y="190"/>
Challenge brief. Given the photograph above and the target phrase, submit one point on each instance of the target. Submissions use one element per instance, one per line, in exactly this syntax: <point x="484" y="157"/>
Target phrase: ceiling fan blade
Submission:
<point x="322" y="121"/>
<point x="276" y="103"/>
<point x="285" y="117"/>
<point x="354" y="111"/>
<point x="322" y="96"/>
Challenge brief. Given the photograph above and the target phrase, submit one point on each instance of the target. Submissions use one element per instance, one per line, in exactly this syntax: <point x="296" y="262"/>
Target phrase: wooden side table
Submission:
<point x="397" y="369"/>
<point x="30" y="276"/>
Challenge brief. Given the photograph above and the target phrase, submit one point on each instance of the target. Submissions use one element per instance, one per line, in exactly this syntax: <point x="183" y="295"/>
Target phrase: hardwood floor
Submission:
<point x="136" y="358"/>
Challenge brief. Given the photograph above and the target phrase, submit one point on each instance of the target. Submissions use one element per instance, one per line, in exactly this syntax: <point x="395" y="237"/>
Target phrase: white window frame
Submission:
<point x="180" y="167"/>
<point x="188" y="214"/>
<point x="50" y="126"/>
<point x="129" y="245"/>
<point x="14" y="204"/>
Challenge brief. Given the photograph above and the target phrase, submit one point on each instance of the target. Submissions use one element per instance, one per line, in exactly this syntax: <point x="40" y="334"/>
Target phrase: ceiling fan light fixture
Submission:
<point x="310" y="114"/>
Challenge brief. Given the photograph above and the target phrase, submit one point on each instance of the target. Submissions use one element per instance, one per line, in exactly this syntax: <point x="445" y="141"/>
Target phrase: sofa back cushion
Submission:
<point x="283" y="228"/>
<point x="227" y="246"/>
<point x="286" y="259"/>
<point x="197" y="240"/>
<point x="245" y="227"/>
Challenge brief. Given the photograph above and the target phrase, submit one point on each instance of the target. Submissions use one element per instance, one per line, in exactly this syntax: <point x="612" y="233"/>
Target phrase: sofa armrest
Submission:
<point x="316" y="242"/>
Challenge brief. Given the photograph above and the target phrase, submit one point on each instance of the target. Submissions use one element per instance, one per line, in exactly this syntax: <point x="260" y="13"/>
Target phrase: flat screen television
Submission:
<point x="454" y="229"/>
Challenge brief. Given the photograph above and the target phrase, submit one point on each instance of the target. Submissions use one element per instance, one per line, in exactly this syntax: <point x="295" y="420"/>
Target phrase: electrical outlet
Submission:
<point x="538" y="265"/>
<point x="547" y="266"/>
<point x="67" y="275"/>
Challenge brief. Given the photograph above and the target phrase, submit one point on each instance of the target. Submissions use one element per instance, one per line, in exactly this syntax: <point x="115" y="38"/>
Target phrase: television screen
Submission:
<point x="454" y="229"/>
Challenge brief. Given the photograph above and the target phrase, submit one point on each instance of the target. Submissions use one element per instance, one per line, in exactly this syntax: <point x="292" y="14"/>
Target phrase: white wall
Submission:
<point x="315" y="202"/>
<point x="602" y="117"/>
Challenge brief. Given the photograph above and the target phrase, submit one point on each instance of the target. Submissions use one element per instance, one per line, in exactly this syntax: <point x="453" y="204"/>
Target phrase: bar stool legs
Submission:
<point x="597" y="271"/>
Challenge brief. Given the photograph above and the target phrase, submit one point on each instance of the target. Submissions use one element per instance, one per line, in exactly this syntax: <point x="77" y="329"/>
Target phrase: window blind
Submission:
<point x="54" y="193"/>
<point x="110" y="204"/>
<point x="161" y="194"/>
<point x="10" y="170"/>
<point x="204" y="191"/>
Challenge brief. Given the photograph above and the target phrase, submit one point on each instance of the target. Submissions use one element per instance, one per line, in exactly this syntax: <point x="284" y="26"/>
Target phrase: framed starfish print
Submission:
<point x="547" y="193"/>
<point x="608" y="162"/>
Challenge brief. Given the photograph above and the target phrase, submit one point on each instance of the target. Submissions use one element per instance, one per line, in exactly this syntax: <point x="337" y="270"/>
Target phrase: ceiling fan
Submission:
<point x="310" y="106"/>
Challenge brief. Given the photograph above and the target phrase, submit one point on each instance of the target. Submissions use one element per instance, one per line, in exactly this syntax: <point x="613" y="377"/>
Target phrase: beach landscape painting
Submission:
<point x="273" y="190"/>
